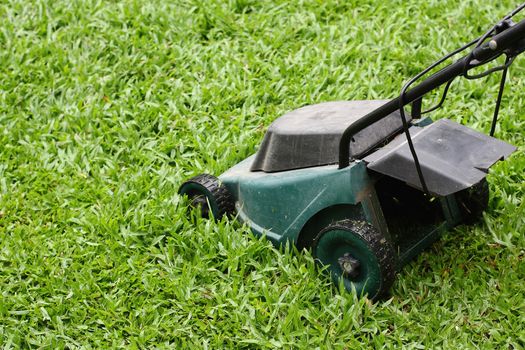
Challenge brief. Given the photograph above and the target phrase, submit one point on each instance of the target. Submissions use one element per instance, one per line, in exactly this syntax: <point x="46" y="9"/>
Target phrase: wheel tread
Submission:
<point x="221" y="195"/>
<point x="379" y="244"/>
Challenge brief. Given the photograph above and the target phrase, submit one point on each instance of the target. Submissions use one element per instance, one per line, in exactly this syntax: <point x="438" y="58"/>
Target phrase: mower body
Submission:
<point x="289" y="191"/>
<point x="368" y="219"/>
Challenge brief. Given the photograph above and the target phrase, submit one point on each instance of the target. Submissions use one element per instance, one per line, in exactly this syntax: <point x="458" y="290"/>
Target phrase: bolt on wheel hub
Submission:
<point x="349" y="265"/>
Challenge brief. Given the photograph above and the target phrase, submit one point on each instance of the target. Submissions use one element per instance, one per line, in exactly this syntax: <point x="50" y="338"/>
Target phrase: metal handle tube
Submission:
<point x="488" y="51"/>
<point x="499" y="43"/>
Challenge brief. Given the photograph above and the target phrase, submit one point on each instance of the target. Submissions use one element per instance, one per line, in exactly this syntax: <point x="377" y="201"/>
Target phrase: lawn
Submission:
<point x="107" y="107"/>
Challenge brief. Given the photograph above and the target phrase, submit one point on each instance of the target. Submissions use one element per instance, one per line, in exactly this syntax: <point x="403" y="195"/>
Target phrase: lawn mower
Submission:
<point x="367" y="185"/>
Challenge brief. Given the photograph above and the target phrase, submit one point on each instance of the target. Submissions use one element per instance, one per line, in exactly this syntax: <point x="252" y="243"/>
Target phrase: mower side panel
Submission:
<point x="278" y="205"/>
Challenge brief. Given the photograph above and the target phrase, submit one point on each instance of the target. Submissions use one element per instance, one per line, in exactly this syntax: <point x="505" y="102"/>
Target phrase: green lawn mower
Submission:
<point x="367" y="185"/>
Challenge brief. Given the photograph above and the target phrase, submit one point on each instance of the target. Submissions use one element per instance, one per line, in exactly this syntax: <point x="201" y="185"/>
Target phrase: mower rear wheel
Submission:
<point x="473" y="201"/>
<point x="359" y="255"/>
<point x="207" y="192"/>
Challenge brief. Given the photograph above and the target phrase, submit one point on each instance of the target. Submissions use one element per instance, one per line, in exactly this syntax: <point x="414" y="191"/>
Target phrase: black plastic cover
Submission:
<point x="309" y="136"/>
<point x="452" y="156"/>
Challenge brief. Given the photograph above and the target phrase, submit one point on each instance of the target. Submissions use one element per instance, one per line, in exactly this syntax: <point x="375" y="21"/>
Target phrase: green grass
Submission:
<point x="106" y="107"/>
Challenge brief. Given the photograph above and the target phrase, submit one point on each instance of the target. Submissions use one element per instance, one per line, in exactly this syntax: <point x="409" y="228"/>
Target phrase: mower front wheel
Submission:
<point x="208" y="193"/>
<point x="359" y="255"/>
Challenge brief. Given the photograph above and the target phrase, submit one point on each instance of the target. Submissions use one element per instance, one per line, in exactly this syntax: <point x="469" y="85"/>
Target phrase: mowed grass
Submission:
<point x="107" y="107"/>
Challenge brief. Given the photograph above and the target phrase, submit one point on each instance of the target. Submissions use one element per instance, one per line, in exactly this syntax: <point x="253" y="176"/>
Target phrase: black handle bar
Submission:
<point x="508" y="41"/>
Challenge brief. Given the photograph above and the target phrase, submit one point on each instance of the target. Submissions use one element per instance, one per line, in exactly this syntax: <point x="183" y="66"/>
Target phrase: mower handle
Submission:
<point x="510" y="41"/>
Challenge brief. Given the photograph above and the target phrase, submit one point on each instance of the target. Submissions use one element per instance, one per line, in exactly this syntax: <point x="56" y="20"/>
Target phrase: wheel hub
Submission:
<point x="349" y="265"/>
<point x="200" y="201"/>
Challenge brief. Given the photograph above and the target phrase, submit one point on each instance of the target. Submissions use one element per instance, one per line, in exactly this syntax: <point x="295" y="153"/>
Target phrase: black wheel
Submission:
<point x="473" y="201"/>
<point x="359" y="255"/>
<point x="206" y="191"/>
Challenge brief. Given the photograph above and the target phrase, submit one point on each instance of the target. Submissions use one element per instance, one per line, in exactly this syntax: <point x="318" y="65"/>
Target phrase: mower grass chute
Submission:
<point x="363" y="184"/>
